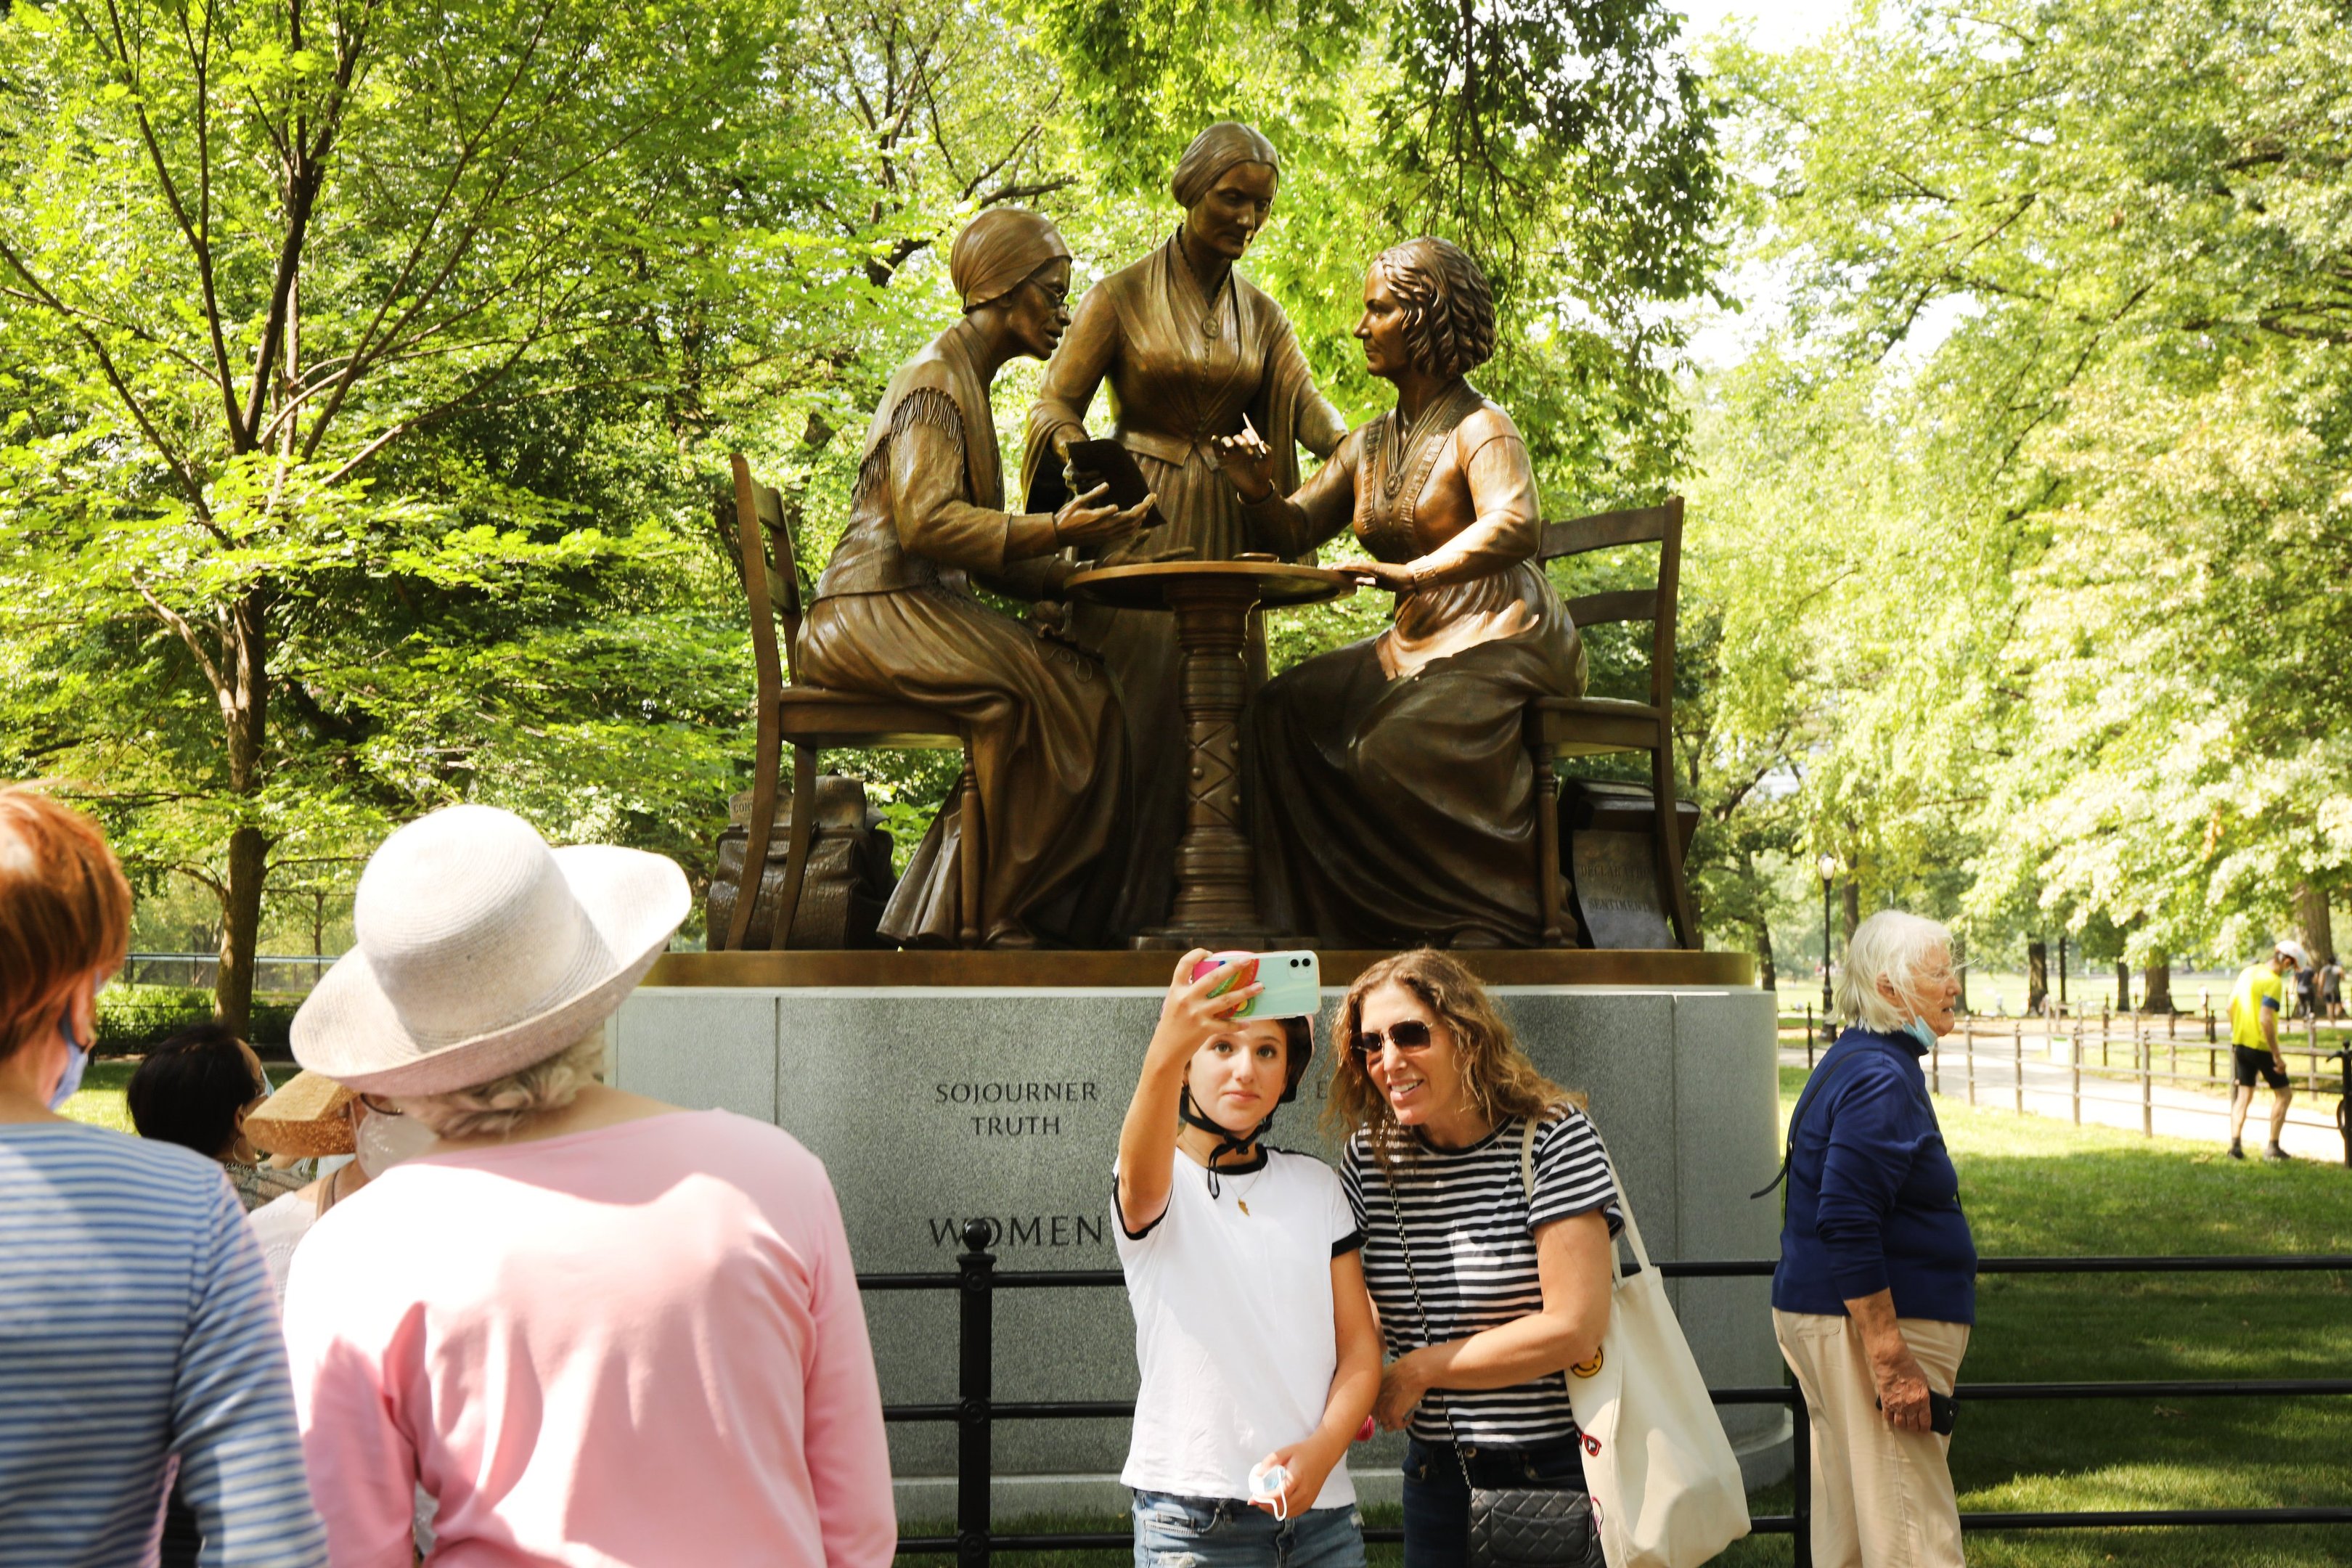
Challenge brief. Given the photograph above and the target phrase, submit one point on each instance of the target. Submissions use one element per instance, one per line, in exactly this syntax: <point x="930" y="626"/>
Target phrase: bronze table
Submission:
<point x="1215" y="903"/>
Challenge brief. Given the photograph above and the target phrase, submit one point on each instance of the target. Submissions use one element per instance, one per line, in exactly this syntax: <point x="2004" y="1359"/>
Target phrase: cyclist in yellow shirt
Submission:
<point x="2254" y="1042"/>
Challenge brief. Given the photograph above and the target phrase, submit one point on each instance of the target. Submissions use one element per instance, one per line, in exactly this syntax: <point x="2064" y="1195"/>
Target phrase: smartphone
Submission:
<point x="1943" y="1413"/>
<point x="1293" y="981"/>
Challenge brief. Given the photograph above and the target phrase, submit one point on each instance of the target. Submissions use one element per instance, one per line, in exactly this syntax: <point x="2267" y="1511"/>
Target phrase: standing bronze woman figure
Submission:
<point x="1190" y="348"/>
<point x="894" y="615"/>
<point x="1393" y="800"/>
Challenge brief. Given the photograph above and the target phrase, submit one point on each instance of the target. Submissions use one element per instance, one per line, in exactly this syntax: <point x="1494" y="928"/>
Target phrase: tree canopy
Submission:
<point x="2082" y="553"/>
<point x="369" y="370"/>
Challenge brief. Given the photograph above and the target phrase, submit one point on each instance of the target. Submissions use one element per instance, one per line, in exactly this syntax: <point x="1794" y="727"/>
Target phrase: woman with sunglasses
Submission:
<point x="1254" y="1338"/>
<point x="1487" y="1213"/>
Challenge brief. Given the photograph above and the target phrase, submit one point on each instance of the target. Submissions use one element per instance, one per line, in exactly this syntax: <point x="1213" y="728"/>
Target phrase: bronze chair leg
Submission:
<point x="1548" y="845"/>
<point x="796" y="852"/>
<point x="758" y="832"/>
<point x="1669" y="839"/>
<point x="968" y="910"/>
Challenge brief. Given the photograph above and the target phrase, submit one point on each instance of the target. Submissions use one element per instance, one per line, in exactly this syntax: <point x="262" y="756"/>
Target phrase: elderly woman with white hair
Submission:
<point x="595" y="1328"/>
<point x="1875" y="1291"/>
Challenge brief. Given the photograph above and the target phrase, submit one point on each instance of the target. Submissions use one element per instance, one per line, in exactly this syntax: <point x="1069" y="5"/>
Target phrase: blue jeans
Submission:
<point x="1437" y="1503"/>
<point x="1173" y="1531"/>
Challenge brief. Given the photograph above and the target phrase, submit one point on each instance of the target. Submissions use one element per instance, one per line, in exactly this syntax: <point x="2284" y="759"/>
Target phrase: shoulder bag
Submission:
<point x="1666" y="1488"/>
<point x="1510" y="1527"/>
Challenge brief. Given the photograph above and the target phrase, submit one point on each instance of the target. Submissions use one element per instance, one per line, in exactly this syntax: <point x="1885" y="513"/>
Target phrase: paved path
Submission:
<point x="2176" y="1110"/>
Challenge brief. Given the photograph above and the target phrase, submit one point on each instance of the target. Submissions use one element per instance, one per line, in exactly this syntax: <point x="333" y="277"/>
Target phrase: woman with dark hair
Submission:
<point x="895" y="615"/>
<point x="1190" y="350"/>
<point x="195" y="1089"/>
<point x="1488" y="1208"/>
<point x="1391" y="797"/>
<point x="135" y="1329"/>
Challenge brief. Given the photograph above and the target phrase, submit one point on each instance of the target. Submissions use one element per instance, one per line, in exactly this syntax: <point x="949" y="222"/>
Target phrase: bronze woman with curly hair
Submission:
<point x="1391" y="798"/>
<point x="1486" y="1204"/>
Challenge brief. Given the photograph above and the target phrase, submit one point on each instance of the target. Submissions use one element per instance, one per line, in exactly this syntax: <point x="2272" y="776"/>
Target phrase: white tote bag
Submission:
<point x="1666" y="1486"/>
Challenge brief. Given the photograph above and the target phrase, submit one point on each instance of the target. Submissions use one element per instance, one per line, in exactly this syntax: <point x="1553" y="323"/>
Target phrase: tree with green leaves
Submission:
<point x="2108" y="568"/>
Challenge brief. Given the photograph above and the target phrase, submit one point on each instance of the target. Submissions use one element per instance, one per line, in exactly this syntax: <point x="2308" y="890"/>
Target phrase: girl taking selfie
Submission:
<point x="1254" y="1337"/>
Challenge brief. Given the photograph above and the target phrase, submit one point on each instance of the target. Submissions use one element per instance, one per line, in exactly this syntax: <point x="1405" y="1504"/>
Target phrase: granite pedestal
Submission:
<point x="933" y="1104"/>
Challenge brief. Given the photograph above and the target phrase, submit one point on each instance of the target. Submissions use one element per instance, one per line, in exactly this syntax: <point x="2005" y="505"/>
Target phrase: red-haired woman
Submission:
<point x="1487" y="1209"/>
<point x="135" y="1321"/>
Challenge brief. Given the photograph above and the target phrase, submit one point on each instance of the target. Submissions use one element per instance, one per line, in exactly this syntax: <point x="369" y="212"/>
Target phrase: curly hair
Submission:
<point x="1449" y="327"/>
<point x="494" y="1109"/>
<point x="1502" y="1080"/>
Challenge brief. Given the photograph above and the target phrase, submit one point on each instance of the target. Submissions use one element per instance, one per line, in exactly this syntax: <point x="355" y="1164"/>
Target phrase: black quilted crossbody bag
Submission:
<point x="1510" y="1527"/>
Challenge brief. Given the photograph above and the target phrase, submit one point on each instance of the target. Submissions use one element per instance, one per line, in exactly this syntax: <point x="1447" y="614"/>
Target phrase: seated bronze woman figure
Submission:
<point x="895" y="617"/>
<point x="1391" y="797"/>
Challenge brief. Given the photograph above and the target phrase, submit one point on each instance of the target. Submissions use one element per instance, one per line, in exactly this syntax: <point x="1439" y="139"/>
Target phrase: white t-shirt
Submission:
<point x="279" y="1226"/>
<point x="1233" y="1323"/>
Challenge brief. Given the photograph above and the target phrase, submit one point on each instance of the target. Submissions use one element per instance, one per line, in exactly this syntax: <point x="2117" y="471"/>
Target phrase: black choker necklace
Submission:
<point x="1191" y="1116"/>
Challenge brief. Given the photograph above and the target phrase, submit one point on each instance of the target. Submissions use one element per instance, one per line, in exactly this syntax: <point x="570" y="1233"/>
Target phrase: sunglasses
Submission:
<point x="380" y="1105"/>
<point x="1411" y="1035"/>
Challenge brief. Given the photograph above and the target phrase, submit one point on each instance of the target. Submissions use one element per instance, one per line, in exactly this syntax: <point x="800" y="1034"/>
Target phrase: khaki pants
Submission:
<point x="1882" y="1498"/>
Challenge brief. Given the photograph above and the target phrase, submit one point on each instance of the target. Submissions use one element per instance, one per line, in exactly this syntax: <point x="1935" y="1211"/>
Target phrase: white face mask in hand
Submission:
<point x="385" y="1141"/>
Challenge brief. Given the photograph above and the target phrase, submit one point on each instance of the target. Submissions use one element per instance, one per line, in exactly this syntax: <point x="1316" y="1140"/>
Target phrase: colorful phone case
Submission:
<point x="1293" y="981"/>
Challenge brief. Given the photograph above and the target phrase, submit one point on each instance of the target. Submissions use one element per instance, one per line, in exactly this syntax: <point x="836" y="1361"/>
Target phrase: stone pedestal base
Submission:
<point x="934" y="1104"/>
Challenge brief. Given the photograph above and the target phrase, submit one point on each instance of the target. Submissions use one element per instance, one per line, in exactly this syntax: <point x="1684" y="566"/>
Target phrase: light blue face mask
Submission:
<point x="1919" y="1030"/>
<point x="77" y="1062"/>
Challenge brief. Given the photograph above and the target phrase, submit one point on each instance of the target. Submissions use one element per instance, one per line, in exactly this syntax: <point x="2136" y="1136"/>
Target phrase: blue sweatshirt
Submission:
<point x="1874" y="1201"/>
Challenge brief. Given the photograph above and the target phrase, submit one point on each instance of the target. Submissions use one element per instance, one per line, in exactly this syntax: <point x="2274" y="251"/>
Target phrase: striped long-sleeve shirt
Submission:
<point x="136" y="1327"/>
<point x="1471" y="1223"/>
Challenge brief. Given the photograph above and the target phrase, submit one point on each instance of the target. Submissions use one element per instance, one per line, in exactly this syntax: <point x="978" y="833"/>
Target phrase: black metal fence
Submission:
<point x="976" y="1410"/>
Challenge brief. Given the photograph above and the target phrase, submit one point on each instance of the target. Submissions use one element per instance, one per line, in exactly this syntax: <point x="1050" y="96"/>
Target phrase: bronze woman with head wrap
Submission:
<point x="1390" y="795"/>
<point x="895" y="615"/>
<point x="1189" y="349"/>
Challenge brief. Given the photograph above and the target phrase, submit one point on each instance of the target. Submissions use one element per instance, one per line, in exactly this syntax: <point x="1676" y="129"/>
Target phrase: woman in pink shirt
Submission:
<point x="597" y="1329"/>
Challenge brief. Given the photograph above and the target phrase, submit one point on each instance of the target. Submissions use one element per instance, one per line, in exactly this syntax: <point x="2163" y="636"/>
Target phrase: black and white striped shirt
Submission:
<point x="1471" y="1230"/>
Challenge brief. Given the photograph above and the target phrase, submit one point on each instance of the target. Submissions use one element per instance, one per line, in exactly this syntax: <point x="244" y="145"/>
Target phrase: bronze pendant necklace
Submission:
<point x="1212" y="313"/>
<point x="1425" y="424"/>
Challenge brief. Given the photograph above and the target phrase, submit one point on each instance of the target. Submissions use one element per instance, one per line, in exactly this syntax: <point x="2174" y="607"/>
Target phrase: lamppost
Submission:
<point x="1829" y="870"/>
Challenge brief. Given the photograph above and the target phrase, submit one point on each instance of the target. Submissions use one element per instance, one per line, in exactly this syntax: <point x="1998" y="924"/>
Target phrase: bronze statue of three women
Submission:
<point x="1390" y="795"/>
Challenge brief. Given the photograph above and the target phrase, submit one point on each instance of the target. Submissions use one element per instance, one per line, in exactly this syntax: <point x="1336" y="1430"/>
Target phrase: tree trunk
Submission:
<point x="245" y="712"/>
<point x="1768" y="975"/>
<point x="1853" y="907"/>
<point x="2318" y="930"/>
<point x="2123" y="986"/>
<point x="248" y="863"/>
<point x="2037" y="975"/>
<point x="2156" y="984"/>
<point x="1960" y="969"/>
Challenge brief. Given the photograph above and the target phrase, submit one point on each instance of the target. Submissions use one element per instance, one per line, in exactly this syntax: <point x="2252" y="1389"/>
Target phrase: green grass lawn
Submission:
<point x="99" y="1101"/>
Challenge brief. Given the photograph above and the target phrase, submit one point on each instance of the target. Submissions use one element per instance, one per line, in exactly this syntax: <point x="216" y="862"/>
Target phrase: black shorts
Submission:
<point x="2253" y="1064"/>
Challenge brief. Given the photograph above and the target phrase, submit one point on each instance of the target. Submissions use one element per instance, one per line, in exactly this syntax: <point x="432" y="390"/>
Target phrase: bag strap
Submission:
<point x="1413" y="1278"/>
<point x="1813" y="1082"/>
<point x="1624" y="1203"/>
<point x="1624" y="1211"/>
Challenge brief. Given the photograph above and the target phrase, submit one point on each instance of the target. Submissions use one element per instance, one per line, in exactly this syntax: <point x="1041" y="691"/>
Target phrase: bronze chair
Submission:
<point x="811" y="717"/>
<point x="1590" y="726"/>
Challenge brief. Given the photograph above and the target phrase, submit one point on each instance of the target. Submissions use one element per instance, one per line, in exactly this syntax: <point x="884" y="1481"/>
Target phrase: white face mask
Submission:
<point x="385" y="1141"/>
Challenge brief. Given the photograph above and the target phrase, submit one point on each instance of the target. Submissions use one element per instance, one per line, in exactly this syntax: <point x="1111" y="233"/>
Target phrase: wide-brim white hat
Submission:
<point x="479" y="951"/>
